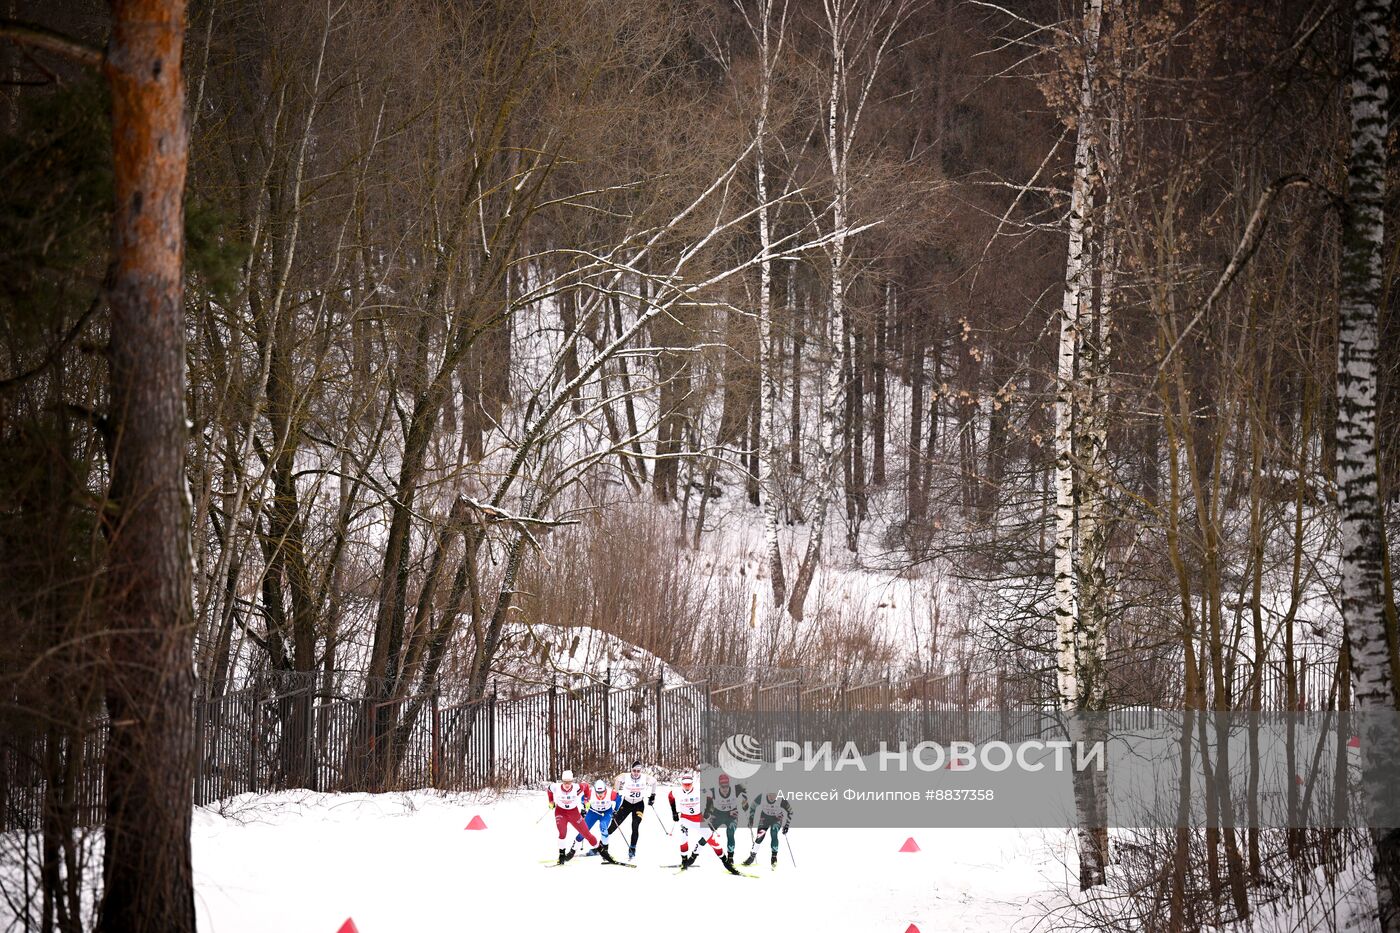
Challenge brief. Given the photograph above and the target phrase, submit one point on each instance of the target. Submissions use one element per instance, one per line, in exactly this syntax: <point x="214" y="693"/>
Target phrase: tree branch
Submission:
<point x="1253" y="233"/>
<point x="41" y="37"/>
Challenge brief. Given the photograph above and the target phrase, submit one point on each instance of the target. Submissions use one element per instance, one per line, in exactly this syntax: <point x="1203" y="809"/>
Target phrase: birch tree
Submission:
<point x="1079" y="636"/>
<point x="769" y="36"/>
<point x="1362" y="541"/>
<point x="858" y="40"/>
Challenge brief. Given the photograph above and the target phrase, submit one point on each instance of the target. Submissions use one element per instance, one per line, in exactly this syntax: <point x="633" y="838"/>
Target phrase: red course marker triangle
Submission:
<point x="912" y="929"/>
<point x="477" y="823"/>
<point x="909" y="846"/>
<point x="348" y="927"/>
<point x="1354" y="742"/>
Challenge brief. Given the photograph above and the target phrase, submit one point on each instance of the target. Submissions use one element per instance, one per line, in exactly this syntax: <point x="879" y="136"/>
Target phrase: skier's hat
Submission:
<point x="601" y="786"/>
<point x="687" y="779"/>
<point x="723" y="778"/>
<point x="567" y="776"/>
<point x="636" y="766"/>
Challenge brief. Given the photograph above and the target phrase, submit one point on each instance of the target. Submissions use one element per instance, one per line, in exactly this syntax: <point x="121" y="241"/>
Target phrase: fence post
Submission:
<point x="798" y="707"/>
<point x="1001" y="706"/>
<point x="198" y="757"/>
<point x="659" y="681"/>
<point x="709" y="708"/>
<point x="435" y="758"/>
<point x="607" y="716"/>
<point x="966" y="706"/>
<point x="309" y="727"/>
<point x="254" y="726"/>
<point x="924" y="691"/>
<point x="491" y="736"/>
<point x="553" y="723"/>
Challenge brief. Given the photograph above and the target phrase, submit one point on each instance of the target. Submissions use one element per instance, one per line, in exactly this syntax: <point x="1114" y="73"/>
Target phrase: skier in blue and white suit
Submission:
<point x="600" y="813"/>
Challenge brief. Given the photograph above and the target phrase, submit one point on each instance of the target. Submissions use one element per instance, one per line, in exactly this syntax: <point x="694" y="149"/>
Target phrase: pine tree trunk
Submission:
<point x="1362" y="544"/>
<point x="149" y="768"/>
<point x="853" y="432"/>
<point x="877" y="372"/>
<point x="914" y="480"/>
<point x="629" y="407"/>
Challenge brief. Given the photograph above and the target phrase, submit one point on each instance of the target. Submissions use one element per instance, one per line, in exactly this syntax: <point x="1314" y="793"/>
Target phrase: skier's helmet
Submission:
<point x="567" y="777"/>
<point x="600" y="787"/>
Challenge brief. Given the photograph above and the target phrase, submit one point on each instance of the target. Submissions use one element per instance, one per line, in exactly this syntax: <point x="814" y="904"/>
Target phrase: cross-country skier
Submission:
<point x="600" y="812"/>
<point x="771" y="815"/>
<point x="725" y="806"/>
<point x="567" y="799"/>
<point x="687" y="808"/>
<point x="636" y="789"/>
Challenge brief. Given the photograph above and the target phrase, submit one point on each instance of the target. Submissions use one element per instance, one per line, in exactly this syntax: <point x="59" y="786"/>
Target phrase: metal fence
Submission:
<point x="289" y="731"/>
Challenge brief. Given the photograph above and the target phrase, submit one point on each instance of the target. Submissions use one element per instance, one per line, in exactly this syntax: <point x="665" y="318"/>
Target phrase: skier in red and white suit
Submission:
<point x="688" y="809"/>
<point x="567" y="799"/>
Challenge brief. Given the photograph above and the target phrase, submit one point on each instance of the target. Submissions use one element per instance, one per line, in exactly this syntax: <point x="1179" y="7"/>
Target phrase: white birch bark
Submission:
<point x="1078" y="636"/>
<point x="769" y="425"/>
<point x="827" y="452"/>
<point x="845" y="105"/>
<point x="1362" y="589"/>
<point x="1067" y="381"/>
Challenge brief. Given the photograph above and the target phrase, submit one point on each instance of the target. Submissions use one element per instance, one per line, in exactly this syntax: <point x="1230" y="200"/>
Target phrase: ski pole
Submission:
<point x="658" y="819"/>
<point x="789" y="850"/>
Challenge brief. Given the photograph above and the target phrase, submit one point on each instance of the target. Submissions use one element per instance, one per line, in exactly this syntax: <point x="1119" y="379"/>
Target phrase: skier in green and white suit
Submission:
<point x="772" y="816"/>
<point x="725" y="806"/>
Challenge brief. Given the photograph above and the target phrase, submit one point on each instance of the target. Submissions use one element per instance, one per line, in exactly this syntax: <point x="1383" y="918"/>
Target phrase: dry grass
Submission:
<point x="626" y="572"/>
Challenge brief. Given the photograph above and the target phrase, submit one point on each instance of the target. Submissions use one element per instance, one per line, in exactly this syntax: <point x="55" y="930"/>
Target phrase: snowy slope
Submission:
<point x="577" y="657"/>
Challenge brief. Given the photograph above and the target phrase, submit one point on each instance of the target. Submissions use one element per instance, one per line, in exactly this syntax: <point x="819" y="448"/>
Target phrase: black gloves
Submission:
<point x="651" y="801"/>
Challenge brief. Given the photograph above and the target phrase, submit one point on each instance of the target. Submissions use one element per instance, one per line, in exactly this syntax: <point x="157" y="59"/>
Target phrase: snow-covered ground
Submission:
<point x="305" y="863"/>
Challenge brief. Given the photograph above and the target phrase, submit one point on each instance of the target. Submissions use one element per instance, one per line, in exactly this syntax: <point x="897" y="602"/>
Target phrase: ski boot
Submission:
<point x="728" y="864"/>
<point x="752" y="855"/>
<point x="631" y="853"/>
<point x="569" y="854"/>
<point x="602" y="851"/>
<point x="562" y="860"/>
<point x="688" y="860"/>
<point x="773" y="862"/>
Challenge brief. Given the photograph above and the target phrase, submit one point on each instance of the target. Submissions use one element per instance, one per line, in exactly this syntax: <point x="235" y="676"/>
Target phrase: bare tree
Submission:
<point x="858" y="41"/>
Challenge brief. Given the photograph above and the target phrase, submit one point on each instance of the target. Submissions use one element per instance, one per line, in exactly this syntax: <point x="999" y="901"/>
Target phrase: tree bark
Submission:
<point x="1358" y="500"/>
<point x="149" y="769"/>
<point x="769" y="425"/>
<point x="1078" y="642"/>
<point x="799" y="335"/>
<point x="914" y="481"/>
<point x="877" y="369"/>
